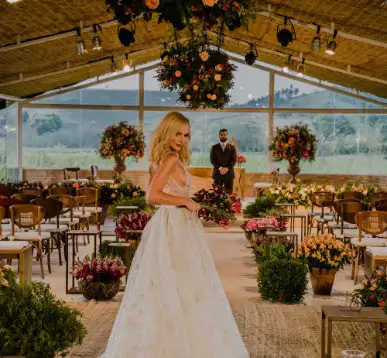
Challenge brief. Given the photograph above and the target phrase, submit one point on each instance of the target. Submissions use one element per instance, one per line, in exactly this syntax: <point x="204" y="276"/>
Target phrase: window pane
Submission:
<point x="290" y="93"/>
<point x="121" y="92"/>
<point x="248" y="129"/>
<point x="54" y="138"/>
<point x="8" y="143"/>
<point x="348" y="144"/>
<point x="251" y="89"/>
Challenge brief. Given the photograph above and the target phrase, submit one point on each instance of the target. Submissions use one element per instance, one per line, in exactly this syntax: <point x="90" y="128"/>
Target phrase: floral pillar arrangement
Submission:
<point x="293" y="143"/>
<point x="120" y="141"/>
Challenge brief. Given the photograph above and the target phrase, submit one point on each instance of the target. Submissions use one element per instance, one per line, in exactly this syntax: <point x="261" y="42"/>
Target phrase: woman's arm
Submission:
<point x="155" y="190"/>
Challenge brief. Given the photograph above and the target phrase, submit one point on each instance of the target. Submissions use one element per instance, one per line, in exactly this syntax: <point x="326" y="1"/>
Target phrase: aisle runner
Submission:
<point x="269" y="330"/>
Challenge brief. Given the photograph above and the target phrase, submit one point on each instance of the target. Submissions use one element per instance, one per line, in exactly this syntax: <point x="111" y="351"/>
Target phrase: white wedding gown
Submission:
<point x="174" y="305"/>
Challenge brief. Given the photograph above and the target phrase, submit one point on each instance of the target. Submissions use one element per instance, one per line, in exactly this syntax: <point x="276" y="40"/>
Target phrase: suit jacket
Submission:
<point x="225" y="159"/>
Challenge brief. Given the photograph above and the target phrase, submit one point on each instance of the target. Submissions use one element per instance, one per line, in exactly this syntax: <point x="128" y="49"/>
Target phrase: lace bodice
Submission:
<point x="173" y="187"/>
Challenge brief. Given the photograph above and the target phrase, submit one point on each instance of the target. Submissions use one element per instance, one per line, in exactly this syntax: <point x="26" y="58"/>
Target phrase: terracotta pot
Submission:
<point x="322" y="280"/>
<point x="119" y="165"/>
<point x="99" y="291"/>
<point x="293" y="170"/>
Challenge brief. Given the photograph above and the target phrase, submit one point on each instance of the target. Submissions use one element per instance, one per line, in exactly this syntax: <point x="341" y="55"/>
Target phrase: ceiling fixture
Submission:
<point x="251" y="56"/>
<point x="127" y="64"/>
<point x="285" y="36"/>
<point x="301" y="69"/>
<point x="288" y="65"/>
<point x="331" y="48"/>
<point x="12" y="1"/>
<point x="316" y="42"/>
<point x="113" y="66"/>
<point x="81" y="47"/>
<point x="97" y="43"/>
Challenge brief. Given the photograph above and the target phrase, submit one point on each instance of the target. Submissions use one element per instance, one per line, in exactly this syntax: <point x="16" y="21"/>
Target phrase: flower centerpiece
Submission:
<point x="217" y="205"/>
<point x="240" y="160"/>
<point x="324" y="255"/>
<point x="99" y="278"/>
<point x="290" y="193"/>
<point x="135" y="222"/>
<point x="201" y="75"/>
<point x="120" y="141"/>
<point x="293" y="143"/>
<point x="260" y="225"/>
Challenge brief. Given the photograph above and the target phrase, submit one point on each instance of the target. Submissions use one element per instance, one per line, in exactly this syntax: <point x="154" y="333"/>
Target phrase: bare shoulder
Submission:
<point x="170" y="160"/>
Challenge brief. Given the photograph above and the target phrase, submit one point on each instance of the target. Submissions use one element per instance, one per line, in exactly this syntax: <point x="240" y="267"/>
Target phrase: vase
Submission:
<point x="98" y="290"/>
<point x="119" y="165"/>
<point x="353" y="354"/>
<point x="322" y="280"/>
<point x="293" y="170"/>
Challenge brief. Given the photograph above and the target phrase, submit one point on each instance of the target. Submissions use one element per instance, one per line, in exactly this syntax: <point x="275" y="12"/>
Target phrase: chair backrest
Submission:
<point x="371" y="222"/>
<point x="339" y="206"/>
<point x="350" y="209"/>
<point x="61" y="190"/>
<point x="25" y="198"/>
<point x="7" y="191"/>
<point x="350" y="195"/>
<point x="80" y="203"/>
<point x="52" y="207"/>
<point x="30" y="191"/>
<point x="26" y="216"/>
<point x="381" y="205"/>
<point x="67" y="201"/>
<point x="7" y="203"/>
<point x="319" y="198"/>
<point x="91" y="194"/>
<point x="68" y="171"/>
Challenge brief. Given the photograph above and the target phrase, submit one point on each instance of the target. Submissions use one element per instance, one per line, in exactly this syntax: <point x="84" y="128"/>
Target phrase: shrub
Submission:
<point x="283" y="280"/>
<point x="270" y="251"/>
<point x="259" y="206"/>
<point x="33" y="323"/>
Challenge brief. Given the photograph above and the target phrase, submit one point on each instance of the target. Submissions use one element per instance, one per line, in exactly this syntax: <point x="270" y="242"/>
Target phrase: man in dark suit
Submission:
<point x="223" y="158"/>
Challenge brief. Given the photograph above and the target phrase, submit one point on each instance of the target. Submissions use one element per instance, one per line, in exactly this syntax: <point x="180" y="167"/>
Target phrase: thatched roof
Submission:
<point x="33" y="19"/>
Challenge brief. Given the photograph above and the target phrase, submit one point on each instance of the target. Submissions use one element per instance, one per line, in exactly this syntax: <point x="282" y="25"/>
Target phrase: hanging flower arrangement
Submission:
<point x="122" y="140"/>
<point x="201" y="75"/>
<point x="294" y="143"/>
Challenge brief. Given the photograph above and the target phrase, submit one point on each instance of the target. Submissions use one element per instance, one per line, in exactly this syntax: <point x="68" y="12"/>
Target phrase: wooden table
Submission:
<point x="340" y="313"/>
<point x="22" y="251"/>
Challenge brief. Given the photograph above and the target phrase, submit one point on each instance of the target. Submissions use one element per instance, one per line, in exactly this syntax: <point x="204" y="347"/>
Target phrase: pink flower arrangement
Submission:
<point x="105" y="270"/>
<point x="256" y="225"/>
<point x="137" y="221"/>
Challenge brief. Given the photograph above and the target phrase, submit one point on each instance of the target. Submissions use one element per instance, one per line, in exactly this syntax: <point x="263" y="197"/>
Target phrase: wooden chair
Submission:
<point x="351" y="195"/>
<point x="6" y="203"/>
<point x="372" y="223"/>
<point x="66" y="215"/>
<point x="375" y="197"/>
<point x="7" y="191"/>
<point x="30" y="191"/>
<point x="29" y="216"/>
<point x="339" y="222"/>
<point x="322" y="200"/>
<point x="25" y="198"/>
<point x="68" y="171"/>
<point x="61" y="190"/>
<point x="381" y="205"/>
<point x="91" y="202"/>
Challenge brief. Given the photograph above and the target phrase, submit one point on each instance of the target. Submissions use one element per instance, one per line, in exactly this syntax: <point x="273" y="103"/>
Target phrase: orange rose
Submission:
<point x="218" y="77"/>
<point x="195" y="88"/>
<point x="178" y="73"/>
<point x="188" y="97"/>
<point x="152" y="4"/>
<point x="134" y="194"/>
<point x="210" y="2"/>
<point x="204" y="56"/>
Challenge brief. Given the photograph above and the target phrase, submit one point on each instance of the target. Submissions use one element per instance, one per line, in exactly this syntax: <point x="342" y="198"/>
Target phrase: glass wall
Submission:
<point x="348" y="144"/>
<point x="54" y="138"/>
<point x="249" y="130"/>
<point x="8" y="143"/>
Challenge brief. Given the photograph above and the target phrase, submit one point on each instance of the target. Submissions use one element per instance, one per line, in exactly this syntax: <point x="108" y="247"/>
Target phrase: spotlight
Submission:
<point x="251" y="56"/>
<point x="331" y="48"/>
<point x="97" y="44"/>
<point x="81" y="47"/>
<point x="113" y="67"/>
<point x="127" y="64"/>
<point x="288" y="65"/>
<point x="12" y="1"/>
<point x="316" y="42"/>
<point x="301" y="69"/>
<point x="285" y="36"/>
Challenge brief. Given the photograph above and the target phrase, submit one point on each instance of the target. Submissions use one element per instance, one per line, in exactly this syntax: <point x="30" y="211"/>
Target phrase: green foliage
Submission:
<point x="139" y="201"/>
<point x="271" y="251"/>
<point x="33" y="323"/>
<point x="259" y="206"/>
<point x="50" y="124"/>
<point x="283" y="280"/>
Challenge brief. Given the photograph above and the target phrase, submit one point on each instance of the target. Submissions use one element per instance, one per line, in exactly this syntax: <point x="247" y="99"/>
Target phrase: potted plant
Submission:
<point x="99" y="278"/>
<point x="264" y="246"/>
<point x="293" y="143"/>
<point x="258" y="227"/>
<point x="324" y="255"/>
<point x="259" y="206"/>
<point x="33" y="323"/>
<point x="282" y="279"/>
<point x="133" y="222"/>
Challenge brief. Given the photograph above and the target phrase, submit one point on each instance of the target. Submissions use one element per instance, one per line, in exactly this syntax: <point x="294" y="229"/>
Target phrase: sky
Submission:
<point x="249" y="83"/>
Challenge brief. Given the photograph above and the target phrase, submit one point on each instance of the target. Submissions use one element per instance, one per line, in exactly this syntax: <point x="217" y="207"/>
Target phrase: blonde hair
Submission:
<point x="162" y="136"/>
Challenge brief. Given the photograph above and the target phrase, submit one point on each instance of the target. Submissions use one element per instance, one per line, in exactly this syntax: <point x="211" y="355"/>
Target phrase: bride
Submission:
<point x="174" y="305"/>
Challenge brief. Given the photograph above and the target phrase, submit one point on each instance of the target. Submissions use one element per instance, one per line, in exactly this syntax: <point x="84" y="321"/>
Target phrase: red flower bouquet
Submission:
<point x="240" y="159"/>
<point x="217" y="205"/>
<point x="104" y="270"/>
<point x="136" y="221"/>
